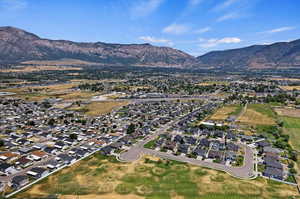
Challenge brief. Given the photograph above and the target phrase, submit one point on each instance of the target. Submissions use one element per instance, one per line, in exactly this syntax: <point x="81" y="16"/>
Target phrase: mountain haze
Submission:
<point x="277" y="55"/>
<point x="19" y="46"/>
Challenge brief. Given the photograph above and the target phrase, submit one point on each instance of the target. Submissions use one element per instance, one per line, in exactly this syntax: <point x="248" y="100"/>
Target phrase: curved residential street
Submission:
<point x="244" y="172"/>
<point x="137" y="151"/>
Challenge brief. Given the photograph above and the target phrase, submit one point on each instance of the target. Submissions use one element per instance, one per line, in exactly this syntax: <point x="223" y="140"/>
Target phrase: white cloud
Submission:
<point x="156" y="40"/>
<point x="228" y="16"/>
<point x="203" y="30"/>
<point x="12" y="5"/>
<point x="176" y="29"/>
<point x="224" y="5"/>
<point x="209" y="43"/>
<point x="145" y="7"/>
<point x="281" y="29"/>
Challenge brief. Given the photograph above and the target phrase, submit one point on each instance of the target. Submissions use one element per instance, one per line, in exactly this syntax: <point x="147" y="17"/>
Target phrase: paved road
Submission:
<point x="137" y="151"/>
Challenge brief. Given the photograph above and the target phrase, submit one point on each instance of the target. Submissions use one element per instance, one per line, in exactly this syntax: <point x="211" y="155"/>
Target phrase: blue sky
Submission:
<point x="194" y="26"/>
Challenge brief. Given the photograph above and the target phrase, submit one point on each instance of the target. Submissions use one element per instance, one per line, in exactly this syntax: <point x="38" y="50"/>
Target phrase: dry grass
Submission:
<point x="290" y="88"/>
<point x="65" y="62"/>
<point x="25" y="69"/>
<point x="99" y="108"/>
<point x="253" y="117"/>
<point x="223" y="113"/>
<point x="78" y="95"/>
<point x="291" y="112"/>
<point x="210" y="181"/>
<point x="106" y="196"/>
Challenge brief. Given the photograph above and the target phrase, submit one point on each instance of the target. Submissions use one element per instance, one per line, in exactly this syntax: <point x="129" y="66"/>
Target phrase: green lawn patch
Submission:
<point x="265" y="109"/>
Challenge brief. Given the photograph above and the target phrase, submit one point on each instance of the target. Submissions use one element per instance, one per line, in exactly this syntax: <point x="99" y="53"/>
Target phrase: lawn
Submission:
<point x="226" y="111"/>
<point x="151" y="178"/>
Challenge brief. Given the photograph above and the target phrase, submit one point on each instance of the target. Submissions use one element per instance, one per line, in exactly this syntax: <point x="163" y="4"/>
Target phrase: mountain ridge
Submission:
<point x="19" y="46"/>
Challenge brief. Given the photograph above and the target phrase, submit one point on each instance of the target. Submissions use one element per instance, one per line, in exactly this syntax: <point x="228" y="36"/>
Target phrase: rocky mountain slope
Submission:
<point x="18" y="46"/>
<point x="277" y="55"/>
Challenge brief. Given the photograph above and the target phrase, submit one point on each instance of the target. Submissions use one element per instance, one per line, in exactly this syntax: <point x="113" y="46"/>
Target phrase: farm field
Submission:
<point x="38" y="93"/>
<point x="258" y="114"/>
<point x="151" y="178"/>
<point x="226" y="111"/>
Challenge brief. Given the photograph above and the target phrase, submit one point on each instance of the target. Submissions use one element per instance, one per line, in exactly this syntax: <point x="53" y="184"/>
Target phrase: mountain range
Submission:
<point x="18" y="46"/>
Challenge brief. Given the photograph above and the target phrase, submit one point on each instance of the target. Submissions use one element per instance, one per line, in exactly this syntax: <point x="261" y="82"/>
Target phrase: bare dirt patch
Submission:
<point x="291" y="112"/>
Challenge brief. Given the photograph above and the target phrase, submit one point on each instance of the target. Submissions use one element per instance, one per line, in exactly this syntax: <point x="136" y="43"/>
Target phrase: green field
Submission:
<point x="152" y="178"/>
<point x="263" y="109"/>
<point x="292" y="128"/>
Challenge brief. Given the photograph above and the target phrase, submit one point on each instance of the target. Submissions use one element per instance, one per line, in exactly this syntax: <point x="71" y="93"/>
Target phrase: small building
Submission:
<point x="37" y="172"/>
<point x="273" y="173"/>
<point x="19" y="181"/>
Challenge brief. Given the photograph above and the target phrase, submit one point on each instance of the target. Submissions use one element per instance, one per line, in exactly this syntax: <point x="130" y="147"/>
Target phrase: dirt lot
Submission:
<point x="291" y="112"/>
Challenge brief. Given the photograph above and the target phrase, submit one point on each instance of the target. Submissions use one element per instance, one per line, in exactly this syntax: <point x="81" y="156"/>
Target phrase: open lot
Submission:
<point x="226" y="111"/>
<point x="258" y="114"/>
<point x="289" y="88"/>
<point x="38" y="93"/>
<point x="290" y="112"/>
<point x="98" y="108"/>
<point x="151" y="178"/>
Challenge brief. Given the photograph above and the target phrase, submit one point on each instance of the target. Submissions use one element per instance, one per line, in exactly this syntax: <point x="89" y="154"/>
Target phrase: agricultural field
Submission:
<point x="98" y="108"/>
<point x="258" y="114"/>
<point x="226" y="111"/>
<point x="39" y="93"/>
<point x="151" y="178"/>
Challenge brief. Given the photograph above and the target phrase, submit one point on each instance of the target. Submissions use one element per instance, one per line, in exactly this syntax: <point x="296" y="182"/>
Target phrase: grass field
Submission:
<point x="252" y="117"/>
<point x="290" y="88"/>
<point x="24" y="69"/>
<point x="152" y="178"/>
<point x="290" y="112"/>
<point x="292" y="128"/>
<point x="226" y="111"/>
<point x="98" y="108"/>
<point x="38" y="93"/>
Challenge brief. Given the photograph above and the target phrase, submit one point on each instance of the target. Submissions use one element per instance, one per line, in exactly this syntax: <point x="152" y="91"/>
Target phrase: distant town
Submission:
<point x="226" y="123"/>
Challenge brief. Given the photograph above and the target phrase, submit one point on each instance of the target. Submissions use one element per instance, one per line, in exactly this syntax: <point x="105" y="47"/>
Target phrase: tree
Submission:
<point x="1" y="143"/>
<point x="131" y="128"/>
<point x="51" y="122"/>
<point x="73" y="136"/>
